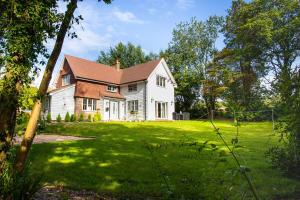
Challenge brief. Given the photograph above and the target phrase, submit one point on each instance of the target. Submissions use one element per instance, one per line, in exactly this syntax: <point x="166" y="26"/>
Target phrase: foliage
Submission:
<point x="16" y="186"/>
<point x="81" y="117"/>
<point x="23" y="118"/>
<point x="188" y="54"/>
<point x="49" y="119"/>
<point x="67" y="117"/>
<point x="97" y="117"/>
<point x="264" y="35"/>
<point x="90" y="117"/>
<point x="128" y="55"/>
<point x="73" y="118"/>
<point x="58" y="118"/>
<point x="24" y="30"/>
<point x="27" y="97"/>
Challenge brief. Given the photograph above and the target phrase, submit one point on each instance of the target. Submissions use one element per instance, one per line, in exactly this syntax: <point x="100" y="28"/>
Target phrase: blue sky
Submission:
<point x="148" y="23"/>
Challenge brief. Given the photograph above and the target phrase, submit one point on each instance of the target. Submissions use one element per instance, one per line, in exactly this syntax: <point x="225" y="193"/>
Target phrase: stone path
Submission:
<point x="52" y="138"/>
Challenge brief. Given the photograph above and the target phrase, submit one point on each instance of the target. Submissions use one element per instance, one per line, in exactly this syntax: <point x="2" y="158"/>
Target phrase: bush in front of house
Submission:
<point x="73" y="118"/>
<point x="48" y="117"/>
<point x="67" y="117"/>
<point x="81" y="117"/>
<point x="90" y="118"/>
<point x="58" y="118"/>
<point x="97" y="117"/>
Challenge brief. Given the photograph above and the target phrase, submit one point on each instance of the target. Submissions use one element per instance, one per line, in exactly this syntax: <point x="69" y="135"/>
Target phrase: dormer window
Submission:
<point x="66" y="79"/>
<point x="112" y="88"/>
<point x="160" y="81"/>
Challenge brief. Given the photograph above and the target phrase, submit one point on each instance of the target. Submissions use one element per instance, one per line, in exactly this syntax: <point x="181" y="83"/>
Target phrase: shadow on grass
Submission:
<point x="118" y="163"/>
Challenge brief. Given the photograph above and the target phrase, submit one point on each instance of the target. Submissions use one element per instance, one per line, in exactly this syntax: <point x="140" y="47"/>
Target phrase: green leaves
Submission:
<point x="128" y="55"/>
<point x="188" y="54"/>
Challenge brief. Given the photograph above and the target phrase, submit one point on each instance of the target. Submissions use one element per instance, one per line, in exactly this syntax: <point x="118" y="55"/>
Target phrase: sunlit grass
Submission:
<point x="117" y="160"/>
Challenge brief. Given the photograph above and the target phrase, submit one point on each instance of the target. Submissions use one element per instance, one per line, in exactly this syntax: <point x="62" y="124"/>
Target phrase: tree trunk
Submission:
<point x="32" y="124"/>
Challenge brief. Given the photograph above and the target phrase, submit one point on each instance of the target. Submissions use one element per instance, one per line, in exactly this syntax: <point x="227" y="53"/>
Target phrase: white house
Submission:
<point x="140" y="92"/>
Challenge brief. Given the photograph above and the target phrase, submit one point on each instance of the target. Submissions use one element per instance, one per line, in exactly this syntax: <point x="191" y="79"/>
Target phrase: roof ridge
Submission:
<point x="137" y="65"/>
<point x="66" y="55"/>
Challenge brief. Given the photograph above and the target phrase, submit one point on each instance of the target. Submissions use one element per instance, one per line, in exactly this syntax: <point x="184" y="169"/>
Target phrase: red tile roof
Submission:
<point x="90" y="70"/>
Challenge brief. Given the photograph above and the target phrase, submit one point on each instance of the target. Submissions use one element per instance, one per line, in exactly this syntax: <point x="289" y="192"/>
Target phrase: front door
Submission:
<point x="114" y="110"/>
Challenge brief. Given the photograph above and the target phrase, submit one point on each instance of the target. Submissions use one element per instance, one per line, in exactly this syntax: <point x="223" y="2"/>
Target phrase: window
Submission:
<point x="112" y="88"/>
<point x="89" y="104"/>
<point x="160" y="81"/>
<point x="132" y="105"/>
<point x="132" y="87"/>
<point x="66" y="79"/>
<point x="161" y="110"/>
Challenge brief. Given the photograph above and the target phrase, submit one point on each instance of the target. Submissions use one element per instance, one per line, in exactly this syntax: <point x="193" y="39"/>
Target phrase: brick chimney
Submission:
<point x="117" y="65"/>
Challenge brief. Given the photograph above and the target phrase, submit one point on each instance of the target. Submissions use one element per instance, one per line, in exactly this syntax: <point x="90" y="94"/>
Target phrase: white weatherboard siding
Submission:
<point x="62" y="101"/>
<point x="161" y="94"/>
<point x="135" y="95"/>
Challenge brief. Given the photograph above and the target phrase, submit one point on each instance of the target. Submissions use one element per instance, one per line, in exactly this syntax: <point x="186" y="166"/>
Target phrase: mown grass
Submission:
<point x="161" y="160"/>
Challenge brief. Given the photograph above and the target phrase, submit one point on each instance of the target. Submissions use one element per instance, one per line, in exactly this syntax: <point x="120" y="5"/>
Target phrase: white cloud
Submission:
<point x="126" y="16"/>
<point x="184" y="4"/>
<point x="87" y="40"/>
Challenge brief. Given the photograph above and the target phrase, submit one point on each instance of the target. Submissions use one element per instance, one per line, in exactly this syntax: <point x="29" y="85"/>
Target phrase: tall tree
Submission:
<point x="188" y="54"/>
<point x="24" y="28"/>
<point x="267" y="33"/>
<point x="128" y="55"/>
<point x="29" y="135"/>
<point x="241" y="57"/>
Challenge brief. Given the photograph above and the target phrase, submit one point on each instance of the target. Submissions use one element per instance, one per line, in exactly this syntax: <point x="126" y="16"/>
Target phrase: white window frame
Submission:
<point x="112" y="88"/>
<point x="133" y="105"/>
<point x="160" y="81"/>
<point x="66" y="79"/>
<point x="132" y="87"/>
<point x="89" y="104"/>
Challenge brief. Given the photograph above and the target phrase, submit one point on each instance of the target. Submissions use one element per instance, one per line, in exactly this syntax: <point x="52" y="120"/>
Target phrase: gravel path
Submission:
<point x="52" y="138"/>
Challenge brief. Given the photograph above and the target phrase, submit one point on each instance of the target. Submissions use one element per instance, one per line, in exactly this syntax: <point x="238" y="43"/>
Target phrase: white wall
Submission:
<point x="157" y="93"/>
<point x="62" y="101"/>
<point x="135" y="95"/>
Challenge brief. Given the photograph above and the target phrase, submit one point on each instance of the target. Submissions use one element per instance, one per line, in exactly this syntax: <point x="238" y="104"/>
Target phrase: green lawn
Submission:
<point x="161" y="159"/>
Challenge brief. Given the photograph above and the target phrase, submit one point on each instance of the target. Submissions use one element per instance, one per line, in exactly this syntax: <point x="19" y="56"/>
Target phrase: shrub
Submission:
<point x="58" y="118"/>
<point x="90" y="118"/>
<point x="67" y="117"/>
<point x="97" y="117"/>
<point x="49" y="117"/>
<point x="81" y="117"/>
<point x="18" y="186"/>
<point x="23" y="118"/>
<point x="41" y="124"/>
<point x="73" y="118"/>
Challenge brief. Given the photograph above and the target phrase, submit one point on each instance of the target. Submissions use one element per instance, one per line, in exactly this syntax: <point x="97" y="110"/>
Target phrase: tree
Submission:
<point x="266" y="35"/>
<point x="128" y="55"/>
<point x="242" y="58"/>
<point x="188" y="54"/>
<point x="67" y="21"/>
<point x="24" y="28"/>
